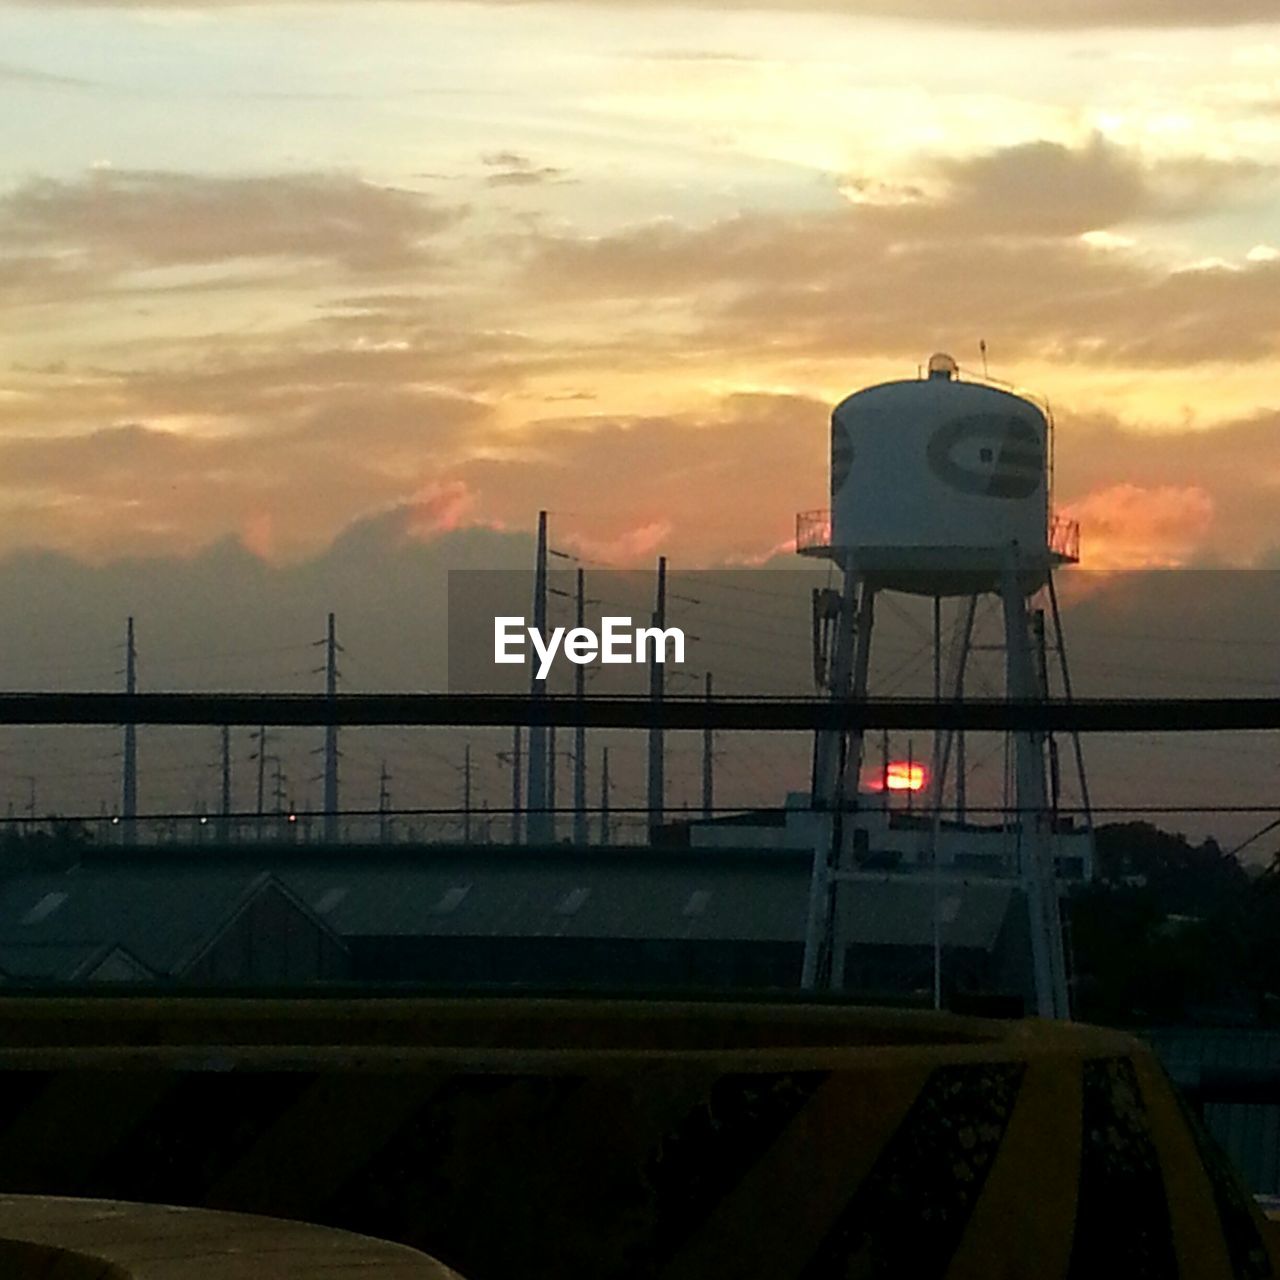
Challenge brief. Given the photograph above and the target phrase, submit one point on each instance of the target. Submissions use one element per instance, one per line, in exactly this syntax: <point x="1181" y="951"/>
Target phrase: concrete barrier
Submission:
<point x="541" y="1139"/>
<point x="54" y="1238"/>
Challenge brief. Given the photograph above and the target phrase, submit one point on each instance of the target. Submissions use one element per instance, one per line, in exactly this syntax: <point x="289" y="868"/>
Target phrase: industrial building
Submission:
<point x="893" y="839"/>
<point x="558" y="918"/>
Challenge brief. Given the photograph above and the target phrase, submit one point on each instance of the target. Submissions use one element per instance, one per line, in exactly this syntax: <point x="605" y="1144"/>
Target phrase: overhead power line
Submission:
<point x="747" y="714"/>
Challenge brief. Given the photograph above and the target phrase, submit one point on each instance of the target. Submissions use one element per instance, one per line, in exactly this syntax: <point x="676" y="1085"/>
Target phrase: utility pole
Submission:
<point x="129" y="788"/>
<point x="657" y="781"/>
<point x="551" y="784"/>
<point x="384" y="805"/>
<point x="1042" y="676"/>
<point x="260" y="755"/>
<point x="279" y="797"/>
<point x="604" y="796"/>
<point x="580" y="730"/>
<point x="466" y="794"/>
<point x="224" y="813"/>
<point x="708" y="762"/>
<point x="962" y="763"/>
<point x="516" y="778"/>
<point x="935" y="782"/>
<point x="536" y="822"/>
<point x="331" y="738"/>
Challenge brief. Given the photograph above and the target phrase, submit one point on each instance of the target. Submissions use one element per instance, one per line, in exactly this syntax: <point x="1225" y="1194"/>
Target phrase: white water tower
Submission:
<point x="940" y="487"/>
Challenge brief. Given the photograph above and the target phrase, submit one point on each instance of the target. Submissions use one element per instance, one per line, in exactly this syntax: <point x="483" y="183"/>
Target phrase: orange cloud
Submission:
<point x="631" y="546"/>
<point x="1126" y="526"/>
<point x="439" y="508"/>
<point x="258" y="535"/>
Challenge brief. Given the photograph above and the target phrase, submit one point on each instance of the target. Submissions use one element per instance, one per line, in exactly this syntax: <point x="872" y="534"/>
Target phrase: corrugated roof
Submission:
<point x="698" y="896"/>
<point x="161" y="915"/>
<point x="69" y="962"/>
<point x="899" y="910"/>
<point x="50" y="961"/>
<point x="162" y="911"/>
<point x="460" y="897"/>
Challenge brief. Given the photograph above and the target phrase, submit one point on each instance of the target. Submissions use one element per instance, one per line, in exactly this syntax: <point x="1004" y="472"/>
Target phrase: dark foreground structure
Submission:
<point x="603" y="1140"/>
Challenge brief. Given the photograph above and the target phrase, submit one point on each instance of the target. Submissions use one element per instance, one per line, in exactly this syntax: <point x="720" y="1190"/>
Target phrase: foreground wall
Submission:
<point x="544" y="1138"/>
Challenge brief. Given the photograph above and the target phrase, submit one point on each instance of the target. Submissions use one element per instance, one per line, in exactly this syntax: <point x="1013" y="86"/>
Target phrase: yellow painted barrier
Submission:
<point x="526" y="1139"/>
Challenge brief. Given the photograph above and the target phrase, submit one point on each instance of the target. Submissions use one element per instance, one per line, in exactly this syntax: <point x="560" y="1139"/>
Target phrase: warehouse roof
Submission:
<point x="163" y="907"/>
<point x="163" y="916"/>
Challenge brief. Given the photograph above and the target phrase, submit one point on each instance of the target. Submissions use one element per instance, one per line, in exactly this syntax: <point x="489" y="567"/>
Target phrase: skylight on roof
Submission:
<point x="697" y="903"/>
<point x="450" y="900"/>
<point x="45" y="908"/>
<point x="572" y="902"/>
<point x="330" y="899"/>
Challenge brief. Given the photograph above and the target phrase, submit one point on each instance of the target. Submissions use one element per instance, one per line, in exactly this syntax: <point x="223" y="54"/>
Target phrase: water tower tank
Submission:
<point x="938" y="485"/>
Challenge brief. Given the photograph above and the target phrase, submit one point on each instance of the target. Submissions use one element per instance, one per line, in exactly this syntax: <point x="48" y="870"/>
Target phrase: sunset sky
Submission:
<point x="268" y="270"/>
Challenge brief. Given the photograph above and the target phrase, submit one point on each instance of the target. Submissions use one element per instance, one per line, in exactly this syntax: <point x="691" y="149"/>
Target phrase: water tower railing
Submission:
<point x="1064" y="538"/>
<point x="813" y="534"/>
<point x="813" y="531"/>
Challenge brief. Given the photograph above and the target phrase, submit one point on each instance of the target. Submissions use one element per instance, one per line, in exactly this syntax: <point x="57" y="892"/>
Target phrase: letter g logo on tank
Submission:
<point x="993" y="455"/>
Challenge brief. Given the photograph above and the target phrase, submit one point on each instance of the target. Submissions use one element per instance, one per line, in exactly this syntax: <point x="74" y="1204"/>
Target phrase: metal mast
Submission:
<point x="580" y="731"/>
<point x="129" y="785"/>
<point x="657" y="688"/>
<point x="537" y="828"/>
<point x="331" y="738"/>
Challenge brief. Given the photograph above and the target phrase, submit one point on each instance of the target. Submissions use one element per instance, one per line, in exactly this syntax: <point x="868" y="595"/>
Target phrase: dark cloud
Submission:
<point x="525" y="177"/>
<point x="1045" y="188"/>
<point x="1038" y="191"/>
<point x="133" y="219"/>
<point x="365" y="365"/>
<point x="39" y="278"/>
<point x="506" y="160"/>
<point x="42" y="79"/>
<point x="142" y="489"/>
<point x="1064" y="302"/>
<point x="995" y="250"/>
<point x="516" y="170"/>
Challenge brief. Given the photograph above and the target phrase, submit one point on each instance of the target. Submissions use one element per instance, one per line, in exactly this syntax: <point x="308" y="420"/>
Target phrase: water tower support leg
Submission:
<point x="839" y="943"/>
<point x="1039" y="878"/>
<point x="832" y="773"/>
<point x="941" y="763"/>
<point x="865" y="620"/>
<point x="1078" y="751"/>
<point x="826" y="781"/>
